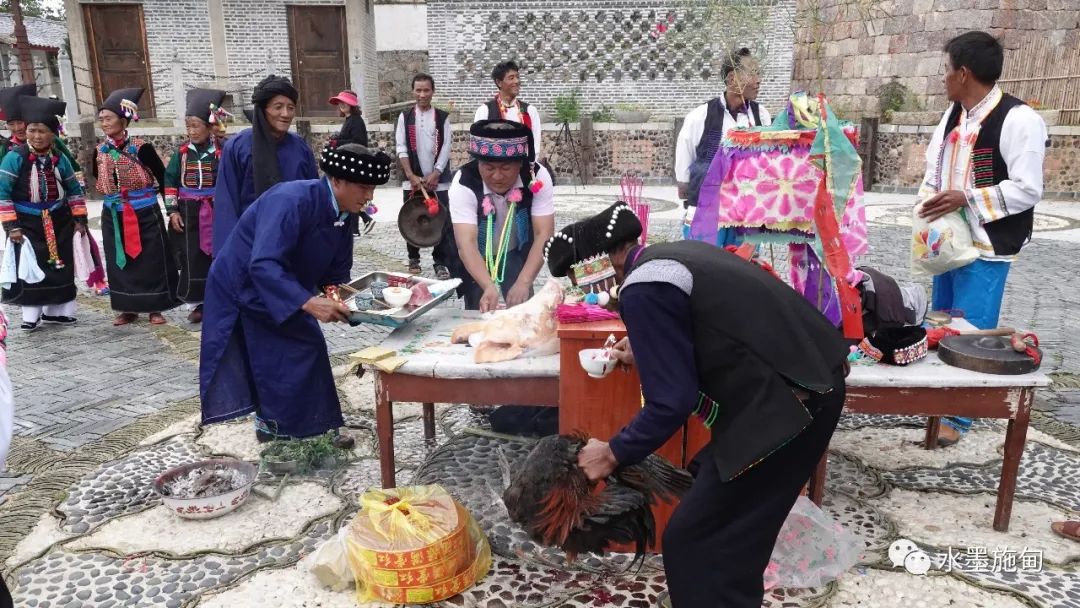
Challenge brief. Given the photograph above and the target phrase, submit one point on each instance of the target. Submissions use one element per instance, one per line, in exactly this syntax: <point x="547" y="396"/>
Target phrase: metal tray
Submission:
<point x="402" y="316"/>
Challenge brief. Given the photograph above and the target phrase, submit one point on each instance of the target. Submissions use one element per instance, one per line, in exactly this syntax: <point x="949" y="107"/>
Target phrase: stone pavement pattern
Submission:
<point x="101" y="411"/>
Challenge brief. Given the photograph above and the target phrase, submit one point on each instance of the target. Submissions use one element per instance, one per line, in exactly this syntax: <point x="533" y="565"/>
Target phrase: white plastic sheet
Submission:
<point x="812" y="549"/>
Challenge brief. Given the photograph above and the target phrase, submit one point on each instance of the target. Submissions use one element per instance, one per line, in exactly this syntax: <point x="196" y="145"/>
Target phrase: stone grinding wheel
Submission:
<point x="419" y="228"/>
<point x="986" y="354"/>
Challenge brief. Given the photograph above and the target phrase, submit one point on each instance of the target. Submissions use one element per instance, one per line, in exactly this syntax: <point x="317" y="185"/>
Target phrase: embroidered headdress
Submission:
<point x="582" y="247"/>
<point x="500" y="140"/>
<point x="356" y="163"/>
<point x="205" y="104"/>
<point x="124" y="103"/>
<point x="900" y="345"/>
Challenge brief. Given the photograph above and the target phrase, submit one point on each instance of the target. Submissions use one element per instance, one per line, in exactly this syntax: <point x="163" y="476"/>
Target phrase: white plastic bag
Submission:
<point x="84" y="261"/>
<point x="812" y="549"/>
<point x="29" y="270"/>
<point x="9" y="274"/>
<point x="941" y="245"/>
<point x="331" y="563"/>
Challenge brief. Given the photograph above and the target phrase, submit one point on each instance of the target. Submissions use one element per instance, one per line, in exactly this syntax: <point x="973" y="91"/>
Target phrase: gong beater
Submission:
<point x="986" y="354"/>
<point x="418" y="227"/>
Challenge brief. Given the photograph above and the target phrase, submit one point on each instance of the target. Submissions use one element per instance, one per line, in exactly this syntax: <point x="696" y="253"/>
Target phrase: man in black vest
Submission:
<point x="714" y="335"/>
<point x="985" y="160"/>
<point x="423" y="148"/>
<point x="705" y="127"/>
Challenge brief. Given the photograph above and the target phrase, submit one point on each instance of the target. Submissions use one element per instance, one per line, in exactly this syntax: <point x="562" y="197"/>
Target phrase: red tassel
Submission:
<point x="837" y="262"/>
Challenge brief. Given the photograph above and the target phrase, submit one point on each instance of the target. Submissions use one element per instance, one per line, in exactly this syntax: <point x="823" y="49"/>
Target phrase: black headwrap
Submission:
<point x="355" y="163"/>
<point x="589" y="238"/>
<point x="42" y="110"/>
<point x="263" y="145"/>
<point x="9" y="100"/>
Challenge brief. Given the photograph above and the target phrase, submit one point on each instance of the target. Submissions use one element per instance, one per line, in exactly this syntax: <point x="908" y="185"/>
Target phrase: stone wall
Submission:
<point x="613" y="52"/>
<point x="648" y="150"/>
<point x="396" y="71"/>
<point x="901" y="160"/>
<point x="905" y="38"/>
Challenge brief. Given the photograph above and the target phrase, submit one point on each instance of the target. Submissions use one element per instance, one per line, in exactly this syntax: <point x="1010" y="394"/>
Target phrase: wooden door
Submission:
<point x="118" y="56"/>
<point x="319" y="51"/>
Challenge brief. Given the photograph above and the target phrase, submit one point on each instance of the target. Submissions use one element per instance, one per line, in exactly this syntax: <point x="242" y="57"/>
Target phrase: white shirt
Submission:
<point x="464" y="207"/>
<point x="425" y="144"/>
<point x="1022" y="146"/>
<point x="514" y="113"/>
<point x="694" y="127"/>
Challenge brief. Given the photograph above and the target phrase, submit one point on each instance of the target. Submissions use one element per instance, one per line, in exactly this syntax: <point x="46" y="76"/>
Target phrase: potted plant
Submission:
<point x="568" y="107"/>
<point x="629" y="113"/>
<point x="302" y="455"/>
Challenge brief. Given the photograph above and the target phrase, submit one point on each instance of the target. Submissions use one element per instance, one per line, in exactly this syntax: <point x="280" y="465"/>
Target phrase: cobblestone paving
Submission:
<point x="87" y="394"/>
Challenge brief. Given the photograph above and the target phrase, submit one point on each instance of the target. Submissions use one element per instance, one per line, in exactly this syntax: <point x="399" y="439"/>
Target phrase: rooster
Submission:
<point x="553" y="500"/>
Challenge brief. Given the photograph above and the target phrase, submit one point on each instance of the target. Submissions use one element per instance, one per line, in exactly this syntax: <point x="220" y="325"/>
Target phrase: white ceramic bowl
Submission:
<point x="206" y="507"/>
<point x="594" y="363"/>
<point x="397" y="296"/>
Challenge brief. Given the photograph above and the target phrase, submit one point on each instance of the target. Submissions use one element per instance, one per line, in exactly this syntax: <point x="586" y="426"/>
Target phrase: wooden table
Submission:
<point x="931" y="388"/>
<point x="440" y="372"/>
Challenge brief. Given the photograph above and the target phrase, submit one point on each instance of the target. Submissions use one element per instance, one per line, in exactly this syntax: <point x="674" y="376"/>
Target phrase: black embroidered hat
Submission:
<point x="11" y="99"/>
<point x="500" y="140"/>
<point x="900" y="345"/>
<point x="205" y="104"/>
<point x="49" y="112"/>
<point x="124" y="103"/>
<point x="356" y="163"/>
<point x="591" y="237"/>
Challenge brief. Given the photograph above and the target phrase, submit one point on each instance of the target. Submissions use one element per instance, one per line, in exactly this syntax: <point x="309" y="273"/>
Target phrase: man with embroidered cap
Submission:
<point x="985" y="160"/>
<point x="270" y="285"/>
<point x="189" y="195"/>
<point x="261" y="156"/>
<point x="503" y="211"/>
<point x="718" y="336"/>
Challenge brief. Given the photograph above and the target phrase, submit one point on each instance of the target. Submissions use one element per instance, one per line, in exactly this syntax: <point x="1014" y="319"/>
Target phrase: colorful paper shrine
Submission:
<point x="798" y="183"/>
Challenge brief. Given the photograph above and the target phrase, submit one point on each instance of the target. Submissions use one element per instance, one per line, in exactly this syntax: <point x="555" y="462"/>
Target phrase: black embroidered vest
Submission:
<point x="1010" y="233"/>
<point x="755" y="339"/>
<point x="440" y="141"/>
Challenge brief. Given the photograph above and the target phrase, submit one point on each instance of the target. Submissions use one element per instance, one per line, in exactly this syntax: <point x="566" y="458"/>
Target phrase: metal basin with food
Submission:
<point x="206" y="489"/>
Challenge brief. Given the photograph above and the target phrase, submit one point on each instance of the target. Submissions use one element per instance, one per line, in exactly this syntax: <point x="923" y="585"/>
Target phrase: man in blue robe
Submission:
<point x="262" y="348"/>
<point x="261" y="156"/>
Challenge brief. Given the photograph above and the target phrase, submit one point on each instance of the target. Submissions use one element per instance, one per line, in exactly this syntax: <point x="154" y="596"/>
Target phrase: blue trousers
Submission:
<point x="977" y="290"/>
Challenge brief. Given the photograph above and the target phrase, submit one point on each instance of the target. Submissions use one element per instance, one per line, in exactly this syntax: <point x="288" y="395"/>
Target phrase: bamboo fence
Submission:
<point x="1047" y="73"/>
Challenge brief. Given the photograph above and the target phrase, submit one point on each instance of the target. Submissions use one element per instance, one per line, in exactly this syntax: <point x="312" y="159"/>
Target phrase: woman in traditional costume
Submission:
<point x="42" y="202"/>
<point x="262" y="348"/>
<point x="261" y="156"/>
<point x="189" y="196"/>
<point x="138" y="259"/>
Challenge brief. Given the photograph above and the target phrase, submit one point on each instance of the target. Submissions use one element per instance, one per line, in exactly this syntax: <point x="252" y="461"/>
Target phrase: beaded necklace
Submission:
<point x="496" y="260"/>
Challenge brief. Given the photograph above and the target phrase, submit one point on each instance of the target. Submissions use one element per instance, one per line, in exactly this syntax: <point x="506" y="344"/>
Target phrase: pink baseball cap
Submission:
<point x="346" y="97"/>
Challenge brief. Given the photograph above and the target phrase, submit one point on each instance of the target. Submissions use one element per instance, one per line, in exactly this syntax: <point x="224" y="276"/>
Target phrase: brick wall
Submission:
<point x="176" y="27"/>
<point x="608" y="52"/>
<point x="905" y="40"/>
